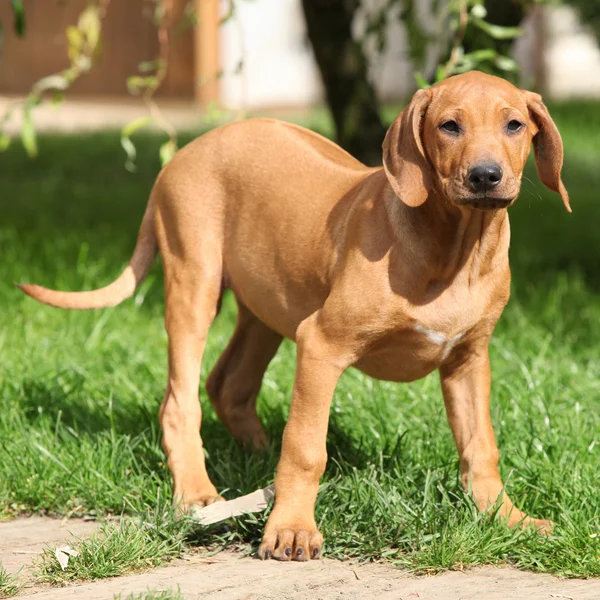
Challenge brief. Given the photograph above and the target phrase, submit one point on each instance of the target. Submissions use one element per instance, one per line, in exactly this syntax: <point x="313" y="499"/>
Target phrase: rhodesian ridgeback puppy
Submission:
<point x="396" y="271"/>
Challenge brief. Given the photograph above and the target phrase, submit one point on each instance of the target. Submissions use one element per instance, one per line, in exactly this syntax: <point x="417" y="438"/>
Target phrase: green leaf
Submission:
<point x="167" y="151"/>
<point x="421" y="81"/>
<point x="478" y="56"/>
<point x="147" y="66"/>
<point x="89" y="25"/>
<point x="126" y="142"/>
<point x="51" y="82"/>
<point x="19" y="17"/>
<point x="506" y="64"/>
<point x="83" y="62"/>
<point x="57" y="98"/>
<point x="137" y="82"/>
<point x="479" y="11"/>
<point x="74" y="42"/>
<point x="496" y="31"/>
<point x="229" y="14"/>
<point x="131" y="152"/>
<point x="466" y="64"/>
<point x="74" y="36"/>
<point x="159" y="14"/>
<point x="135" y="125"/>
<point x="28" y="135"/>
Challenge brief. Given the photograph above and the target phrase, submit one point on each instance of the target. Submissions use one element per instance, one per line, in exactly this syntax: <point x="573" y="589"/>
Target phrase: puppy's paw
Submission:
<point x="291" y="544"/>
<point x="193" y="503"/>
<point x="543" y="526"/>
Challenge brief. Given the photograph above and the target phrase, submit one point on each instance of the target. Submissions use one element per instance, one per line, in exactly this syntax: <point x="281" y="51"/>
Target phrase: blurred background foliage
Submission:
<point x="464" y="34"/>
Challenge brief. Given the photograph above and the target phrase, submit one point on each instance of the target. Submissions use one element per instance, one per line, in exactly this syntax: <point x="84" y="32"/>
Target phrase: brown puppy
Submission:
<point x="397" y="271"/>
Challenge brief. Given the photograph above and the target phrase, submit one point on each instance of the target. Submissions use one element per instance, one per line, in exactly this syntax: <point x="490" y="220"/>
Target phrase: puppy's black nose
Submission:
<point x="484" y="177"/>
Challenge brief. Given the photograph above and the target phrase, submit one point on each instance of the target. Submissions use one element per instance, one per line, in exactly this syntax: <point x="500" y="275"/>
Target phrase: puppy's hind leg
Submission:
<point x="235" y="381"/>
<point x="192" y="290"/>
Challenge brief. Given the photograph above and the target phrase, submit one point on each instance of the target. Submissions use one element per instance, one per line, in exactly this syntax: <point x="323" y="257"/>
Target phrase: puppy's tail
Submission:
<point x="120" y="289"/>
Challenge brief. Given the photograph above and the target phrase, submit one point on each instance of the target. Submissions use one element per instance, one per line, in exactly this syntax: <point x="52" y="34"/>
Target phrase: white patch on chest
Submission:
<point x="435" y="337"/>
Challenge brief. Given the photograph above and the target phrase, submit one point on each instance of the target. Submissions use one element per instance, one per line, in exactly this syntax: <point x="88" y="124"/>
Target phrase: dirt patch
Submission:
<point x="23" y="539"/>
<point x="231" y="576"/>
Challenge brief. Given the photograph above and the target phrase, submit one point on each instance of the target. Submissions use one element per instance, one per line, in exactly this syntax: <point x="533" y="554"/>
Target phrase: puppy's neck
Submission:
<point x="445" y="241"/>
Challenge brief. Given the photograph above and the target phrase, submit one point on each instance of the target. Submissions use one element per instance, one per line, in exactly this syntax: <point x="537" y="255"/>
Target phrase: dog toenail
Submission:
<point x="288" y="551"/>
<point x="268" y="554"/>
<point x="299" y="552"/>
<point x="315" y="553"/>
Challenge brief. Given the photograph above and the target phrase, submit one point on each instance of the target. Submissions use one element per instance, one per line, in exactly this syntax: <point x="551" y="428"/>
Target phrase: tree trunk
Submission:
<point x="343" y="65"/>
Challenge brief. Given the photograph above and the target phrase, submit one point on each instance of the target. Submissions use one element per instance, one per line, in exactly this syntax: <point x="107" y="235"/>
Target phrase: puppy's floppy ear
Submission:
<point x="404" y="160"/>
<point x="548" y="147"/>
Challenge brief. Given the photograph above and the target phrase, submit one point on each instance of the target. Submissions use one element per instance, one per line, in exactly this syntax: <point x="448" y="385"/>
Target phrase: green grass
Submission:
<point x="79" y="392"/>
<point x="9" y="584"/>
<point x="116" y="549"/>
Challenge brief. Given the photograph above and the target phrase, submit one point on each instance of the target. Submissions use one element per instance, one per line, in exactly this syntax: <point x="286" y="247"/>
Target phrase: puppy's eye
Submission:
<point x="450" y="127"/>
<point x="514" y="126"/>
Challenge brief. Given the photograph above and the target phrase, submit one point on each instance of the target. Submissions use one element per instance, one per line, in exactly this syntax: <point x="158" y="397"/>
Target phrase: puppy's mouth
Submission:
<point x="485" y="202"/>
<point x="503" y="196"/>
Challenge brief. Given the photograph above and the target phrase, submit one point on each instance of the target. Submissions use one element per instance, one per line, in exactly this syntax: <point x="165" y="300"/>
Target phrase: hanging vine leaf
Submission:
<point x="479" y="11"/>
<point x="497" y="31"/>
<point x="136" y="84"/>
<point x="28" y="135"/>
<point x="51" y="82"/>
<point x="229" y="14"/>
<point x="167" y="151"/>
<point x="471" y="34"/>
<point x="19" y="17"/>
<point x="75" y="43"/>
<point x="421" y="81"/>
<point x="506" y="63"/>
<point x="128" y="144"/>
<point x="90" y="26"/>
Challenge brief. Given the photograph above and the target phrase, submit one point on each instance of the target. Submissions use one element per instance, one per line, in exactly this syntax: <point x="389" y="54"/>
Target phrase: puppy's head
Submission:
<point x="468" y="138"/>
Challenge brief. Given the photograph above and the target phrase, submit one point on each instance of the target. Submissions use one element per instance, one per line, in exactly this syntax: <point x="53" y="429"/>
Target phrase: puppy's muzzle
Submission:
<point x="486" y="202"/>
<point x="484" y="177"/>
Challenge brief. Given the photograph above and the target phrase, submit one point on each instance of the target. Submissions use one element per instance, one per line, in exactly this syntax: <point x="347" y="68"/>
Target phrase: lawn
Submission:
<point x="79" y="392"/>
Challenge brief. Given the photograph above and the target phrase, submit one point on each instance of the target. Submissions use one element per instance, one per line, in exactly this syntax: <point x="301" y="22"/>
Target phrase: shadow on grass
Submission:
<point x="546" y="239"/>
<point x="65" y="398"/>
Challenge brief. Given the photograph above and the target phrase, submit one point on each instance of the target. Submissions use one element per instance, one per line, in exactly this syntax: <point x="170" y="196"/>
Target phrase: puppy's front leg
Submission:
<point x="466" y="383"/>
<point x="291" y="531"/>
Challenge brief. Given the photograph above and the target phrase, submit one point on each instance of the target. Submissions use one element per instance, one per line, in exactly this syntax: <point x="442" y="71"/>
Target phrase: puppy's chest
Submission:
<point x="420" y="338"/>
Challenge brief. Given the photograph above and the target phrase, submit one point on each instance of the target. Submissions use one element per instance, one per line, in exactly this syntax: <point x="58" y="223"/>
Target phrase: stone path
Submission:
<point x="231" y="576"/>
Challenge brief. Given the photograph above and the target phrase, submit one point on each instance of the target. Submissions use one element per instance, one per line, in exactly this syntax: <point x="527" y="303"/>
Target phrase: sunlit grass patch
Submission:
<point x="9" y="584"/>
<point x="116" y="548"/>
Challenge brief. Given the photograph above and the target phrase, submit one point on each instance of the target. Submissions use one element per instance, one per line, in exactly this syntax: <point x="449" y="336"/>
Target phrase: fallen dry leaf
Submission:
<point x="62" y="555"/>
<point x="250" y="503"/>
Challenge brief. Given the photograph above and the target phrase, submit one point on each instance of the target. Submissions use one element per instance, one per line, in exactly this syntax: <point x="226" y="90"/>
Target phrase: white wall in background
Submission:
<point x="279" y="67"/>
<point x="572" y="56"/>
